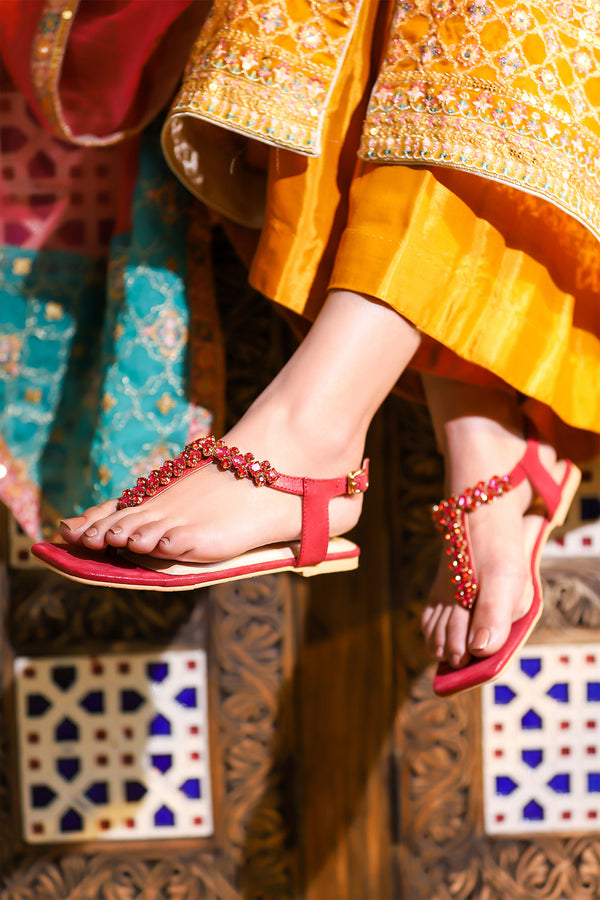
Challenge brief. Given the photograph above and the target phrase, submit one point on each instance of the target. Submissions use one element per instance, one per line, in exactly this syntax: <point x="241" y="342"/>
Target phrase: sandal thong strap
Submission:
<point x="316" y="493"/>
<point x="449" y="515"/>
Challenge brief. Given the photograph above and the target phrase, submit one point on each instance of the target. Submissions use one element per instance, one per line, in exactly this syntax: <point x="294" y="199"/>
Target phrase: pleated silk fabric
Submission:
<point x="502" y="281"/>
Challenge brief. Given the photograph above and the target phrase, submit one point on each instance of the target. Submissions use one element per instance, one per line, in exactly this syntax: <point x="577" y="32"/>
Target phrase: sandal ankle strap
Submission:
<point x="316" y="495"/>
<point x="531" y="467"/>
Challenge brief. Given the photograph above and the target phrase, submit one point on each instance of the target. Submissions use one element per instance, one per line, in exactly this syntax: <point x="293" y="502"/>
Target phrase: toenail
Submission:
<point x="134" y="537"/>
<point x="164" y="540"/>
<point x="116" y="529"/>
<point x="439" y="653"/>
<point x="75" y="523"/>
<point x="91" y="532"/>
<point x="480" y="640"/>
<point x="455" y="660"/>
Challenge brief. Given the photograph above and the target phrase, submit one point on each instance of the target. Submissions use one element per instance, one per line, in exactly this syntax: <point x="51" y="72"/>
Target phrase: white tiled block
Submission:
<point x="541" y="742"/>
<point x="114" y="747"/>
<point x="580" y="535"/>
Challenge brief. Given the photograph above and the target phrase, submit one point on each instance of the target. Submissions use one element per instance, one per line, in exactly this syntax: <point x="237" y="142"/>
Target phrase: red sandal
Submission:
<point x="315" y="554"/>
<point x="451" y="518"/>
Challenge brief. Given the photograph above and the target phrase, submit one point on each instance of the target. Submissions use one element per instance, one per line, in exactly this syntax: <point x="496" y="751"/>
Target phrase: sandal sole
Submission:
<point x="123" y="570"/>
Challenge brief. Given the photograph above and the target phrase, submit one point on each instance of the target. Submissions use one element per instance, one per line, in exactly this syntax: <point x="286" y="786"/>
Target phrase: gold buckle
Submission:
<point x="353" y="485"/>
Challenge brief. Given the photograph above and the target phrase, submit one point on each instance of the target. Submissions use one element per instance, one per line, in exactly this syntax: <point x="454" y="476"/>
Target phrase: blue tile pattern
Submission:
<point x="113" y="747"/>
<point x="541" y="742"/>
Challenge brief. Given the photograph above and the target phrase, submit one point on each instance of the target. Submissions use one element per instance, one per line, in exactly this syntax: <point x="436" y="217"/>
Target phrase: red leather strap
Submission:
<point x="531" y="467"/>
<point x="316" y="495"/>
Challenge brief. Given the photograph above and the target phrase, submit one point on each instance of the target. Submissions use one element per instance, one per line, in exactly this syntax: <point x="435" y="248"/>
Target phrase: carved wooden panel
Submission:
<point x="251" y="728"/>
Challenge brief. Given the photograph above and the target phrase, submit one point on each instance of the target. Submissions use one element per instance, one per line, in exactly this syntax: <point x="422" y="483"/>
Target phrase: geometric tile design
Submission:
<point x="580" y="534"/>
<point x="19" y="545"/>
<point x="541" y="742"/>
<point x="113" y="747"/>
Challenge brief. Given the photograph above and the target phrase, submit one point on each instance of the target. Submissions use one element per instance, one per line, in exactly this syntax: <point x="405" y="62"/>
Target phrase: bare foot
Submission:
<point x="502" y="536"/>
<point x="311" y="421"/>
<point x="212" y="515"/>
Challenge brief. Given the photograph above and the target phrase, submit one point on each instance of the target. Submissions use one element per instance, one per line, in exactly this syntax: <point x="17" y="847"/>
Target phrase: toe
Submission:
<point x="184" y="543"/>
<point x="436" y="616"/>
<point x="456" y="637"/>
<point x="427" y="618"/>
<point x="436" y="639"/>
<point x="145" y="538"/>
<point x="124" y="525"/>
<point x="500" y="594"/>
<point x="497" y="543"/>
<point x="94" y="535"/>
<point x="72" y="529"/>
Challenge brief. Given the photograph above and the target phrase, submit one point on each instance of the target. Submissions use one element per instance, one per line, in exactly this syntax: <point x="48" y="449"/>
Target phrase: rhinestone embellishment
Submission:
<point x="449" y="517"/>
<point x="243" y="465"/>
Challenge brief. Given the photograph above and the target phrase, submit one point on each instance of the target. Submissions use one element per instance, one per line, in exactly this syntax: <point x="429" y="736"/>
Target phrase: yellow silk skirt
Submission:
<point x="504" y="287"/>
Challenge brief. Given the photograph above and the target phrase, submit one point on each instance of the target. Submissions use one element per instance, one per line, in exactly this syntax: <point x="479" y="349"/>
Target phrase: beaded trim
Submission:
<point x="449" y="517"/>
<point x="500" y="88"/>
<point x="244" y="465"/>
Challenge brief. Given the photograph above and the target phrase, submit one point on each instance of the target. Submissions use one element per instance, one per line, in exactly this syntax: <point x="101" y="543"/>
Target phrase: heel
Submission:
<point x="329" y="566"/>
<point x="568" y="490"/>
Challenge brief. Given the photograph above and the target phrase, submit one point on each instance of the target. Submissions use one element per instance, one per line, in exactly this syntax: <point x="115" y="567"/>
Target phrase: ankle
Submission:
<point x="299" y="440"/>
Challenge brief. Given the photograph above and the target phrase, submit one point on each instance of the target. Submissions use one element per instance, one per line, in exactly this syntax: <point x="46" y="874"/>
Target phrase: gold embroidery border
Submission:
<point x="429" y="133"/>
<point x="248" y="107"/>
<point x="47" y="55"/>
<point x="221" y="85"/>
